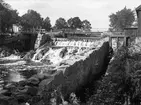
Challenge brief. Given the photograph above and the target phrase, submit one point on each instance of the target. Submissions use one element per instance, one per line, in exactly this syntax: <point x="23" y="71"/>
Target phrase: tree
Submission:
<point x="61" y="23"/>
<point x="15" y="19"/>
<point x="121" y="19"/>
<point x="74" y="23"/>
<point x="46" y="24"/>
<point x="1" y="5"/>
<point x="5" y="17"/>
<point x="31" y="20"/>
<point x="8" y="16"/>
<point x="86" y="25"/>
<point x="122" y="84"/>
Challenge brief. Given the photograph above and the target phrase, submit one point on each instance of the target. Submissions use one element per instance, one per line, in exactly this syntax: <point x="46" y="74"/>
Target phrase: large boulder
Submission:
<point x="81" y="73"/>
<point x="5" y="51"/>
<point x="29" y="55"/>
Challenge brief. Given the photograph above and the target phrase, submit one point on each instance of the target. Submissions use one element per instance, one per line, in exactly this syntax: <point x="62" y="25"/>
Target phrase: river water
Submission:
<point x="14" y="68"/>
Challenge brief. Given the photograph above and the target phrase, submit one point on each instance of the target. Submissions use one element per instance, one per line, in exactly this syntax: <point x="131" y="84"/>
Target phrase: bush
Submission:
<point x="122" y="85"/>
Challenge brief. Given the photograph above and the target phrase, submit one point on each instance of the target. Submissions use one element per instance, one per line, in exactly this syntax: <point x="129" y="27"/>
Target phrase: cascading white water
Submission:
<point x="52" y="55"/>
<point x="37" y="52"/>
<point x="64" y="50"/>
<point x="62" y="53"/>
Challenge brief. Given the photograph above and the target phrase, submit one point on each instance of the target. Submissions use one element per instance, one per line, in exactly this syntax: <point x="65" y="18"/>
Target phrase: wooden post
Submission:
<point x="138" y="10"/>
<point x="125" y="41"/>
<point x="117" y="42"/>
<point x="33" y="38"/>
<point x="128" y="41"/>
<point x="139" y="23"/>
<point x="110" y="41"/>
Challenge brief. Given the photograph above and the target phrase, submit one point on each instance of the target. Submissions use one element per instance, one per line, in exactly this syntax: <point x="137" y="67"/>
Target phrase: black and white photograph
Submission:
<point x="70" y="52"/>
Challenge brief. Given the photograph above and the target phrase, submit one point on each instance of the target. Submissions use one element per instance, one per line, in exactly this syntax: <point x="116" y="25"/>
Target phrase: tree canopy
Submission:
<point x="74" y="23"/>
<point x="8" y="16"/>
<point x="61" y="23"/>
<point x="86" y="25"/>
<point x="31" y="20"/>
<point x="46" y="24"/>
<point x="121" y="19"/>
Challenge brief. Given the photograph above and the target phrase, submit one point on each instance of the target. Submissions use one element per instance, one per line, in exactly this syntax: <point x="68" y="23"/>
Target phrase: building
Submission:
<point x="16" y="28"/>
<point x="138" y="10"/>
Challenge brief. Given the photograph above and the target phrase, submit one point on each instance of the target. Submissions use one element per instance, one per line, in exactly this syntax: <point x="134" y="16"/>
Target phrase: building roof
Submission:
<point x="130" y="28"/>
<point x="138" y="9"/>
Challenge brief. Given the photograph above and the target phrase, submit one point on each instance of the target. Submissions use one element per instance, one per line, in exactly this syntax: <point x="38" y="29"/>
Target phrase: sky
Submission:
<point x="96" y="11"/>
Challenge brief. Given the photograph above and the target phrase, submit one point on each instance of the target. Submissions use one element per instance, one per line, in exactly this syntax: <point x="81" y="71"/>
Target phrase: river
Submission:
<point x="15" y="68"/>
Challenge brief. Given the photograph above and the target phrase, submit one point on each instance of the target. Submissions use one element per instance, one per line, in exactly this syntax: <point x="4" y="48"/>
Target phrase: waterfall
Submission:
<point x="37" y="52"/>
<point x="65" y="49"/>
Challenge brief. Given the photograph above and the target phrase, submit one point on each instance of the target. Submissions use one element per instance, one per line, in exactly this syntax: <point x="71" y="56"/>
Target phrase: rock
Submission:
<point x="35" y="99"/>
<point x="79" y="75"/>
<point x="53" y="82"/>
<point x="10" y="86"/>
<point x="21" y="98"/>
<point x="45" y="38"/>
<point x="59" y="79"/>
<point x="42" y="76"/>
<point x="46" y="61"/>
<point x="39" y="56"/>
<point x="43" y="85"/>
<point x="32" y="91"/>
<point x="22" y="83"/>
<point x="7" y="93"/>
<point x="51" y="72"/>
<point x="3" y="91"/>
<point x="41" y="53"/>
<point x="39" y="103"/>
<point x="4" y="100"/>
<point x="44" y="51"/>
<point x="13" y="101"/>
<point x="63" y="52"/>
<point x="21" y="90"/>
<point x="5" y="51"/>
<point x="29" y="55"/>
<point x="33" y="81"/>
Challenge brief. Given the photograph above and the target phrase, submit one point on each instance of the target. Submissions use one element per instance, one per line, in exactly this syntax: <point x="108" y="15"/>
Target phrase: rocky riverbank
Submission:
<point x="56" y="85"/>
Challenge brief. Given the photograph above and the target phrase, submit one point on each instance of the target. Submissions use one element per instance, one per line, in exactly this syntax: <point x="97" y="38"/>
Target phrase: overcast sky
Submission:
<point x="96" y="11"/>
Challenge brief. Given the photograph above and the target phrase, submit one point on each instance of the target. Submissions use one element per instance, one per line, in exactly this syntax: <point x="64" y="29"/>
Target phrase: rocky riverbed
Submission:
<point x="35" y="77"/>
